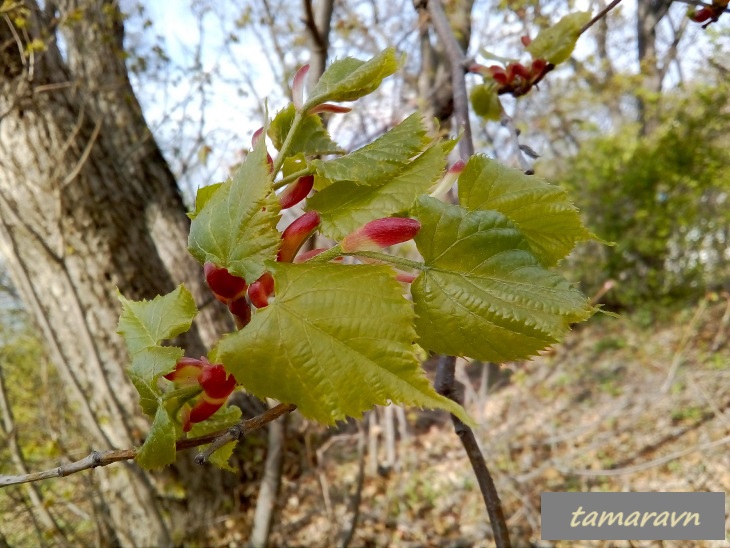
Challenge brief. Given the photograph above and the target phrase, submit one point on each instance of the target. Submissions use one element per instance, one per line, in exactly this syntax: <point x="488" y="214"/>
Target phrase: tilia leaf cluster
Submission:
<point x="333" y="329"/>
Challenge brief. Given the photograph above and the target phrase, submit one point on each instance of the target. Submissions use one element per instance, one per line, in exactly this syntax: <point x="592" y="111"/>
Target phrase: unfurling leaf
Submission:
<point x="482" y="293"/>
<point x="387" y="156"/>
<point x="556" y="43"/>
<point x="310" y="139"/>
<point x="346" y="206"/>
<point x="543" y="212"/>
<point x="328" y="346"/>
<point x="349" y="79"/>
<point x="485" y="101"/>
<point x="236" y="228"/>
<point x="159" y="447"/>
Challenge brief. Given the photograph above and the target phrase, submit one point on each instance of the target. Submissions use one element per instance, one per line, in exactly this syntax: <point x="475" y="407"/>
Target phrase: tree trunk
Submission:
<point x="434" y="80"/>
<point x="649" y="13"/>
<point x="88" y="205"/>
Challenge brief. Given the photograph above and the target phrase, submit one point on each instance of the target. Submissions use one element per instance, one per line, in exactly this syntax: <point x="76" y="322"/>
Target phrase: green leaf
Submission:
<point x="336" y="341"/>
<point x="203" y="195"/>
<point x="543" y="212"/>
<point x="482" y="293"/>
<point x="221" y="457"/>
<point x="236" y="228"/>
<point x="346" y="206"/>
<point x="145" y="323"/>
<point x="485" y="101"/>
<point x="556" y="43"/>
<point x="311" y="137"/>
<point x="349" y="79"/>
<point x="381" y="160"/>
<point x="225" y="417"/>
<point x="149" y="394"/>
<point x="159" y="447"/>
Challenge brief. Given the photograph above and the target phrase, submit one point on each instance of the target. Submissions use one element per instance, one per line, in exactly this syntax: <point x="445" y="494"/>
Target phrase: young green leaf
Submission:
<point x="556" y="43"/>
<point x="145" y="323"/>
<point x="236" y="228"/>
<point x="336" y="341"/>
<point x="158" y="449"/>
<point x="311" y="137"/>
<point x="485" y="101"/>
<point x="346" y="206"/>
<point x="349" y="79"/>
<point x="482" y="293"/>
<point x="543" y="212"/>
<point x="201" y="197"/>
<point x="381" y="160"/>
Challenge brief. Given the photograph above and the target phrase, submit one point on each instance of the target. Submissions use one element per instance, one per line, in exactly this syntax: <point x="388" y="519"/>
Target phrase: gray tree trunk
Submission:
<point x="88" y="205"/>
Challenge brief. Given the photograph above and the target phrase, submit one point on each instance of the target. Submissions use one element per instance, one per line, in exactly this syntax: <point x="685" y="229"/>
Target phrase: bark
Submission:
<point x="434" y="81"/>
<point x="88" y="205"/>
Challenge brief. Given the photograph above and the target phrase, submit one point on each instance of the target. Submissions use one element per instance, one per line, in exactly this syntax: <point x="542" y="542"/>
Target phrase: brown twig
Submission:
<point x="457" y="60"/>
<point x="447" y="364"/>
<point x="104" y="458"/>
<point x="444" y="385"/>
<point x="600" y="15"/>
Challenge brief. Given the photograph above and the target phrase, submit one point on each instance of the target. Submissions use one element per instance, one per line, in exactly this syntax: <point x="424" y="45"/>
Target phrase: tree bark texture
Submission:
<point x="88" y="205"/>
<point x="434" y="81"/>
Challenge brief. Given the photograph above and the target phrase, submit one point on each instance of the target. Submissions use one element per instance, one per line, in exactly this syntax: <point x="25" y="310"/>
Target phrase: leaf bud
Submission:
<point x="224" y="285"/>
<point x="297" y="88"/>
<point x="296" y="234"/>
<point x="296" y="191"/>
<point x="380" y="233"/>
<point x="261" y="290"/>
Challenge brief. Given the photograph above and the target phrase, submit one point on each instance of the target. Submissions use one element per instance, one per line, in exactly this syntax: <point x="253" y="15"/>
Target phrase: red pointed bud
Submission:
<point x="216" y="382"/>
<point x="405" y="278"/>
<point x="255" y="138"/>
<point x="380" y="233"/>
<point x="297" y="88"/>
<point x="261" y="290"/>
<point x="329" y="107"/>
<point x="296" y="234"/>
<point x="518" y="69"/>
<point x="296" y="191"/>
<point x="241" y="311"/>
<point x="526" y="40"/>
<point x="187" y="371"/>
<point x="701" y="15"/>
<point x="223" y="284"/>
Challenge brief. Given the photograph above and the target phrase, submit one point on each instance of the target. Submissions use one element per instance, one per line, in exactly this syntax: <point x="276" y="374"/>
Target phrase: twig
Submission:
<point x="600" y="15"/>
<point x="509" y="123"/>
<point x="445" y="386"/>
<point x="457" y="60"/>
<point x="104" y="458"/>
<point x="354" y="503"/>
<point x="447" y="364"/>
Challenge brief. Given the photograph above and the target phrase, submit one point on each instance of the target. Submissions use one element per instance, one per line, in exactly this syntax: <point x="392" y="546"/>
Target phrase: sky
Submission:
<point x="173" y="98"/>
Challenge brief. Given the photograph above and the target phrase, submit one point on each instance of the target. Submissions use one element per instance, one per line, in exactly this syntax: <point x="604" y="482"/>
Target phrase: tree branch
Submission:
<point x="105" y="458"/>
<point x="444" y="385"/>
<point x="457" y="61"/>
<point x="600" y="15"/>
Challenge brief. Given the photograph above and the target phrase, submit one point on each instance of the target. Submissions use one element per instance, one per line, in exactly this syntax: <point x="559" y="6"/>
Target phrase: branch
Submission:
<point x="444" y="385"/>
<point x="457" y="61"/>
<point x="105" y="458"/>
<point x="600" y="15"/>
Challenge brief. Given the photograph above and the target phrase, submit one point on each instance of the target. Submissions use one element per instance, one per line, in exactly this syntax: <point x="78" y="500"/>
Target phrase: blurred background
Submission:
<point x="112" y="114"/>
